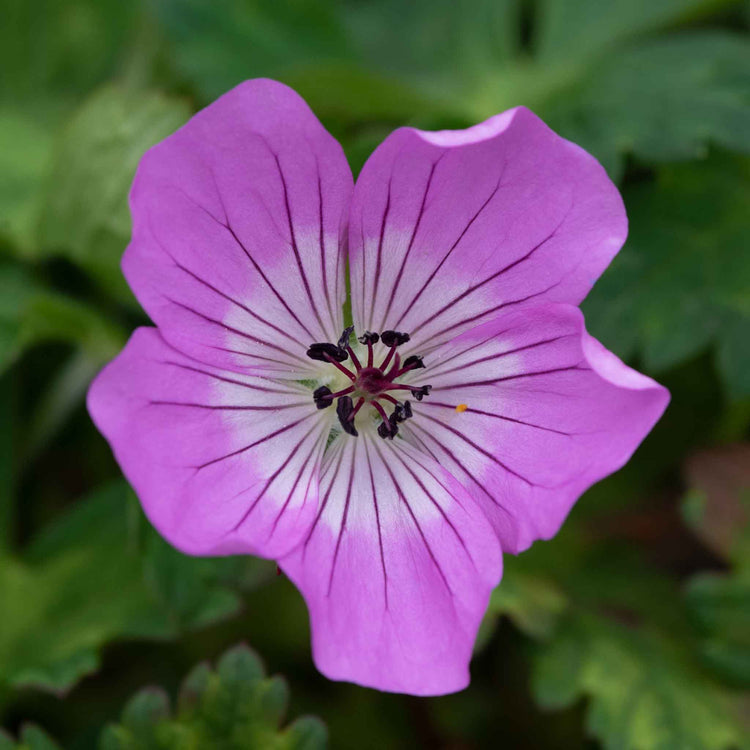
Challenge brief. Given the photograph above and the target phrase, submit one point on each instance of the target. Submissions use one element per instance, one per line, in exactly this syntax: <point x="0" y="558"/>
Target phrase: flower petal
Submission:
<point x="528" y="411"/>
<point x="223" y="463"/>
<point x="396" y="571"/>
<point x="449" y="228"/>
<point x="236" y="221"/>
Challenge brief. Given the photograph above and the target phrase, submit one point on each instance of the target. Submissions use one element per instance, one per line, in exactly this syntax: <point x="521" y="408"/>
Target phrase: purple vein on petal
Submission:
<point x="224" y="379"/>
<point x="436" y="372"/>
<point x="342" y="528"/>
<point x="479" y="448"/>
<point x="273" y="477"/>
<point x="415" y="521"/>
<point x="325" y="499"/>
<point x="254" y="443"/>
<point x="216" y="290"/>
<point x="469" y="474"/>
<point x="430" y="495"/>
<point x="229" y="407"/>
<point x="474" y="318"/>
<point x="493" y="276"/>
<point x="400" y="273"/>
<point x="237" y="331"/>
<point x="383" y="227"/>
<point x="227" y="225"/>
<point x="470" y="410"/>
<point x="293" y="237"/>
<point x="518" y="376"/>
<point x="451" y="249"/>
<point x="377" y="521"/>
<point x="300" y="473"/>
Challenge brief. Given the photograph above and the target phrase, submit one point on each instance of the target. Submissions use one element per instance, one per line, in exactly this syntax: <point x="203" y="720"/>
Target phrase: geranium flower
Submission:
<point x="385" y="466"/>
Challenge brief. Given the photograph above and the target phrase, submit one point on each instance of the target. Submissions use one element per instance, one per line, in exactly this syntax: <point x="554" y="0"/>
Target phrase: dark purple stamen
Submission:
<point x="370" y="384"/>
<point x="368" y="337"/>
<point x="388" y="430"/>
<point x="344" y="409"/>
<point x="343" y="341"/>
<point x="325" y="352"/>
<point x="394" y="338"/>
<point x="322" y="397"/>
<point x="421" y="392"/>
<point x="413" y="363"/>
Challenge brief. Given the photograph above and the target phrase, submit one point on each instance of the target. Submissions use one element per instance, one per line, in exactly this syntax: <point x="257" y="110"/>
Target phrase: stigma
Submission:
<point x="370" y="384"/>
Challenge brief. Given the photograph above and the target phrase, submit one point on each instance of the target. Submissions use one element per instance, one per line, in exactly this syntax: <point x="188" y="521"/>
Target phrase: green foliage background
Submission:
<point x="630" y="630"/>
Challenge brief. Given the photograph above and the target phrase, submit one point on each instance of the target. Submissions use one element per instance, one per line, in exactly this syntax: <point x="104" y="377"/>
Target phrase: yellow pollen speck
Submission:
<point x="461" y="407"/>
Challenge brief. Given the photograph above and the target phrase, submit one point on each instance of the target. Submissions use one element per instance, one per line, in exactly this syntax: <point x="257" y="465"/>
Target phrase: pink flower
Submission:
<point x="386" y="474"/>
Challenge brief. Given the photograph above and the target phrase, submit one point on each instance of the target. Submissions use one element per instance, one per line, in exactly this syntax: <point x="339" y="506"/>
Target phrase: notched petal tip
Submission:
<point x="483" y="131"/>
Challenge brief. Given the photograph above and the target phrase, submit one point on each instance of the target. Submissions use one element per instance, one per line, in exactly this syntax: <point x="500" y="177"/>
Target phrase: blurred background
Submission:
<point x="630" y="630"/>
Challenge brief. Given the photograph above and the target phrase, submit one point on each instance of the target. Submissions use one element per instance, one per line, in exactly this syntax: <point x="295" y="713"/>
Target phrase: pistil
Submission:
<point x="370" y="384"/>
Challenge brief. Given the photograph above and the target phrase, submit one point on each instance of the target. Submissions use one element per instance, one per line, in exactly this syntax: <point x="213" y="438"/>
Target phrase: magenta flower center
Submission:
<point x="375" y="385"/>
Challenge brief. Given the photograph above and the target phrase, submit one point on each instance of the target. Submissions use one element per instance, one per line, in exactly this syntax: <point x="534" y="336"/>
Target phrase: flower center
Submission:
<point x="374" y="385"/>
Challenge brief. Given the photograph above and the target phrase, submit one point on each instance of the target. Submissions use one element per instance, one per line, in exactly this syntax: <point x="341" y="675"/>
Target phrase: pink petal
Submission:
<point x="396" y="571"/>
<point x="236" y="225"/>
<point x="447" y="229"/>
<point x="223" y="463"/>
<point x="549" y="412"/>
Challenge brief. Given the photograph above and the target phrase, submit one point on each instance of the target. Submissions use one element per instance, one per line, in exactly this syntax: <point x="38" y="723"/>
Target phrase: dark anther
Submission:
<point x="322" y="397"/>
<point x="421" y="392"/>
<point x="343" y="341"/>
<point x="368" y="337"/>
<point x="344" y="408"/>
<point x="401" y="412"/>
<point x="321" y="352"/>
<point x="388" y="430"/>
<point x="394" y="338"/>
<point x="413" y="363"/>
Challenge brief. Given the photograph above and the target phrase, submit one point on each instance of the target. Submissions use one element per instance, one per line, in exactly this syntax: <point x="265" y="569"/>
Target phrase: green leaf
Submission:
<point x="48" y="48"/>
<point x="575" y="29"/>
<point x="31" y="738"/>
<point x="683" y="275"/>
<point x="84" y="215"/>
<point x="30" y="313"/>
<point x="643" y="695"/>
<point x="531" y="600"/>
<point x="234" y="706"/>
<point x="25" y="147"/>
<point x="717" y="505"/>
<point x="717" y="508"/>
<point x="435" y="40"/>
<point x="721" y="606"/>
<point x="662" y="100"/>
<point x="222" y="43"/>
<point x="98" y="574"/>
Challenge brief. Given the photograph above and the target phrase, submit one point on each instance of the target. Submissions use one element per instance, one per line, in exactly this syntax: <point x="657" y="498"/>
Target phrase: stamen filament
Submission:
<point x="388" y="398"/>
<point x="359" y="405"/>
<point x="345" y="392"/>
<point x="381" y="411"/>
<point x="400" y="372"/>
<point x="369" y="354"/>
<point x="355" y="359"/>
<point x="394" y="367"/>
<point x="349" y="374"/>
<point x="388" y="357"/>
